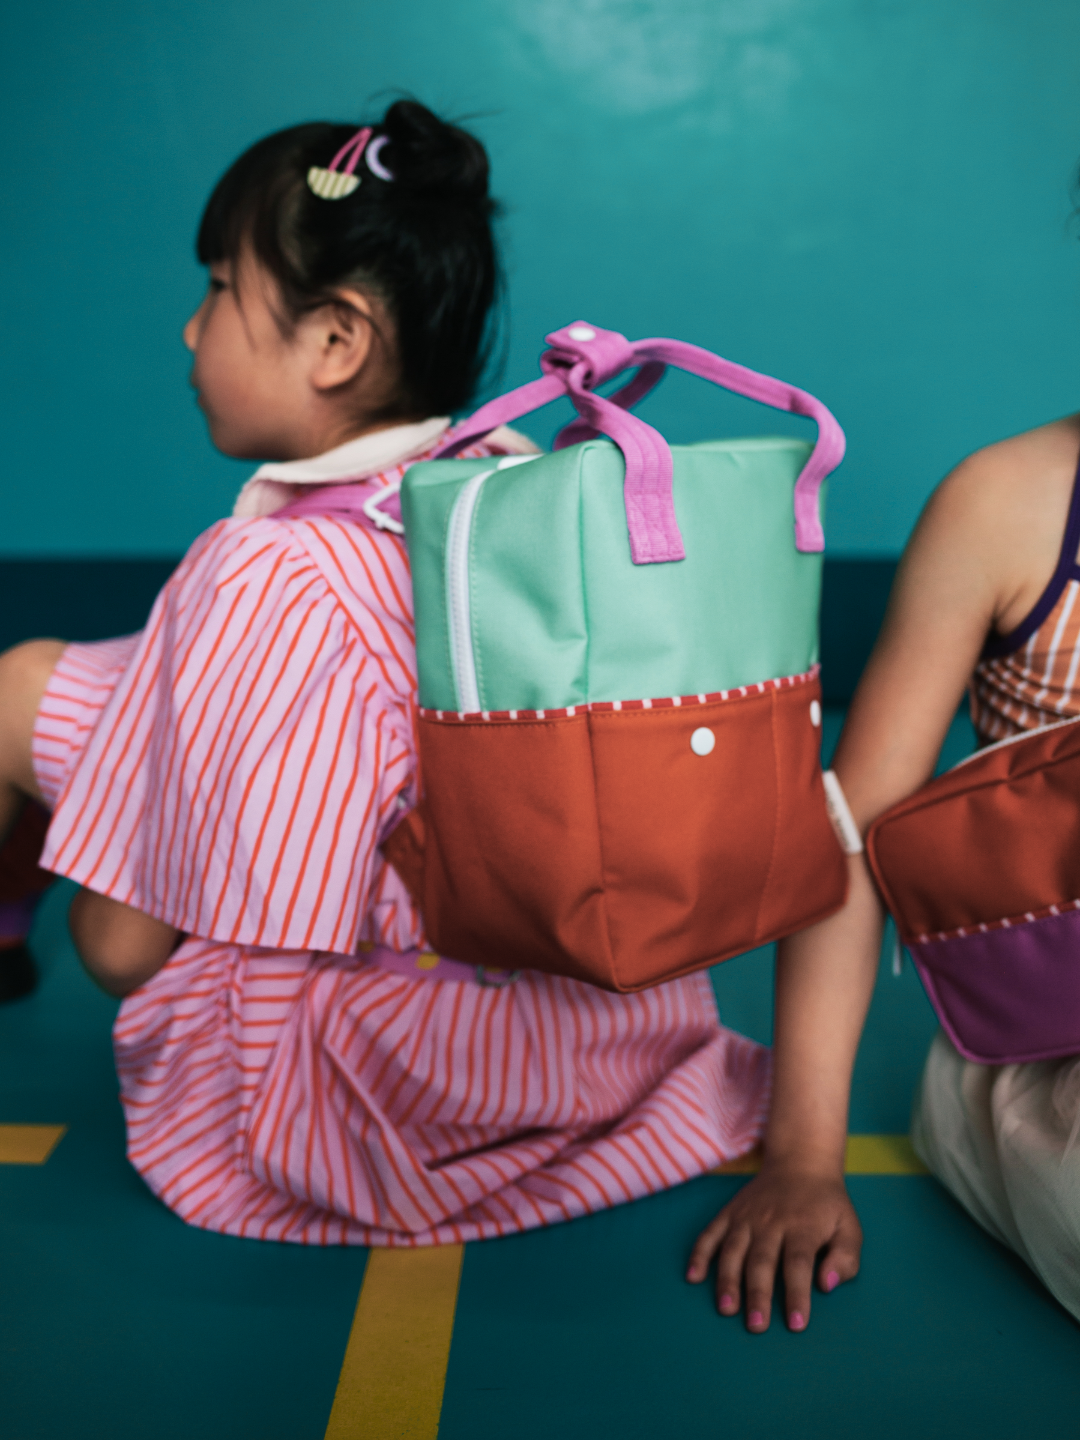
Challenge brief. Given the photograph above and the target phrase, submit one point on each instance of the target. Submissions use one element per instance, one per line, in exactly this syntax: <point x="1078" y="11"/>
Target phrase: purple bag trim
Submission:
<point x="1010" y="994"/>
<point x="583" y="356"/>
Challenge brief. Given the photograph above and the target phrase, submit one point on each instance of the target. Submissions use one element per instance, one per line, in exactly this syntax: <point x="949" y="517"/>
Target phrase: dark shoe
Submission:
<point x="18" y="973"/>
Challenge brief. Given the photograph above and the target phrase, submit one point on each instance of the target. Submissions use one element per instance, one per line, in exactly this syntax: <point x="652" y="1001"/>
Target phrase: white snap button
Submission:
<point x="581" y="332"/>
<point x="815" y="714"/>
<point x="702" y="741"/>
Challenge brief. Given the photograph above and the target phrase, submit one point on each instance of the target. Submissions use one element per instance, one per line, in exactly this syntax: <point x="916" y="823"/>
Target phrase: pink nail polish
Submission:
<point x="727" y="1302"/>
<point x="832" y="1279"/>
<point x="796" y="1320"/>
<point x="756" y="1318"/>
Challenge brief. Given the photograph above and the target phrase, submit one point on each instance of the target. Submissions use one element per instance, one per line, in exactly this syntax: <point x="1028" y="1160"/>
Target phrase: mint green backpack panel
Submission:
<point x="741" y="607"/>
<point x="558" y="614"/>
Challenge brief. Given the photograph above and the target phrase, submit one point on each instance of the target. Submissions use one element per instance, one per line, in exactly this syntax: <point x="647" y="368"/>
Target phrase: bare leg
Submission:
<point x="24" y="674"/>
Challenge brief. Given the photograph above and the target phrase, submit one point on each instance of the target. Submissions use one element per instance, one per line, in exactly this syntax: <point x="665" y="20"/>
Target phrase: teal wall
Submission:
<point x="870" y="198"/>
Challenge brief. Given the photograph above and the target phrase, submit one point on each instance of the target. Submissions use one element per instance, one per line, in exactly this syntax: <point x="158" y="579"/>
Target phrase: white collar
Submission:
<point x="273" y="485"/>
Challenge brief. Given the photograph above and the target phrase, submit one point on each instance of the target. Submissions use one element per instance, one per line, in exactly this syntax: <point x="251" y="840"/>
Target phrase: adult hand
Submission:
<point x="783" y="1220"/>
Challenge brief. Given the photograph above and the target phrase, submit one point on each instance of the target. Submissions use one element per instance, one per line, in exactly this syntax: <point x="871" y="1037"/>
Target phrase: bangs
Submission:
<point x="258" y="203"/>
<point x="415" y="235"/>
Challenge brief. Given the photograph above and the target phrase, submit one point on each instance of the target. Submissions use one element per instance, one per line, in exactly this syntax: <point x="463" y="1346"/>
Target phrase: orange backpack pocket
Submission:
<point x="622" y="844"/>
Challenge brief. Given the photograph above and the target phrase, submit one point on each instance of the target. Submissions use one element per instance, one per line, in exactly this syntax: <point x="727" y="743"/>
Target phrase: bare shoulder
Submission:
<point x="1002" y="514"/>
<point x="1022" y="477"/>
<point x="982" y="553"/>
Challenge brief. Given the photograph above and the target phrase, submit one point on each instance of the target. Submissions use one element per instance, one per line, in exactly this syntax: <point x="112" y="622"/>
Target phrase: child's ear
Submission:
<point x="345" y="336"/>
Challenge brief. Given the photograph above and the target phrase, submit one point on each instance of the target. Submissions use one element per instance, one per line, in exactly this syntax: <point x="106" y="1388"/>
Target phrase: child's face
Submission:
<point x="251" y="380"/>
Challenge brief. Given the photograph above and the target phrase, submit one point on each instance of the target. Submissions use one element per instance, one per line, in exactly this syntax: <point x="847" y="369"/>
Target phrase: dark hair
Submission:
<point x="420" y="243"/>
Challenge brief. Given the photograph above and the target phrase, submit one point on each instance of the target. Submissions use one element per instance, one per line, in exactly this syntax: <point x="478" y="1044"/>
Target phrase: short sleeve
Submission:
<point x="253" y="753"/>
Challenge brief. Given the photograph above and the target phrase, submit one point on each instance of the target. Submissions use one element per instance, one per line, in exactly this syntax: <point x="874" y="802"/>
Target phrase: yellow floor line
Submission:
<point x="391" y="1382"/>
<point x="28" y="1144"/>
<point x="392" y="1377"/>
<point x="882" y="1155"/>
<point x="866" y="1155"/>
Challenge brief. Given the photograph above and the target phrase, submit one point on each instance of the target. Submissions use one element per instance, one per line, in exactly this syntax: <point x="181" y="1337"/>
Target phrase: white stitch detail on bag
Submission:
<point x="647" y="703"/>
<point x="1030" y="917"/>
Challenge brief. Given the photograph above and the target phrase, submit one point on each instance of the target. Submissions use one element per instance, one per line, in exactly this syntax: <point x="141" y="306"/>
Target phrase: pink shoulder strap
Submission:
<point x="583" y="356"/>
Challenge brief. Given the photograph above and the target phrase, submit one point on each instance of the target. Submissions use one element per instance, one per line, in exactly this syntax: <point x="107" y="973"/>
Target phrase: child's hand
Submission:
<point x="781" y="1220"/>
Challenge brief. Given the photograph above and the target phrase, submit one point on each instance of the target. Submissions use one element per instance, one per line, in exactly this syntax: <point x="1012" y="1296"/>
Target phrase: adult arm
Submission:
<point x="983" y="550"/>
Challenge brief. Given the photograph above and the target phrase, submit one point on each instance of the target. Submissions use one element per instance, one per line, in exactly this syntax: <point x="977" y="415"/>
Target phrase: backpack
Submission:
<point x="981" y="872"/>
<point x="619" y="708"/>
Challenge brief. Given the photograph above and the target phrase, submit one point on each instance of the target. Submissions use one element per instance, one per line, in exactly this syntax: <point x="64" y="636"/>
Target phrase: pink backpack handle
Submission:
<point x="582" y="356"/>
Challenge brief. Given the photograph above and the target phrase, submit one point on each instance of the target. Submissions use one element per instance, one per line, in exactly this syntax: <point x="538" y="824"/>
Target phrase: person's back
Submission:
<point x="294" y="1062"/>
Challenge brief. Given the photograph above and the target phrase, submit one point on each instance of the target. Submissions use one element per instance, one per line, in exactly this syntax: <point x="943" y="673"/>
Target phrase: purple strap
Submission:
<point x="352" y="500"/>
<point x="582" y="356"/>
<point x="998" y="646"/>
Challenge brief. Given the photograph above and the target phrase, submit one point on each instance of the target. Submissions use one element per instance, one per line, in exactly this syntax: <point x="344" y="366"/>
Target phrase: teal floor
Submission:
<point x="119" y="1322"/>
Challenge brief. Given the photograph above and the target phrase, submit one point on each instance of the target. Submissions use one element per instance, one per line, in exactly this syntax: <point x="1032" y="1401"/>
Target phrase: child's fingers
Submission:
<point x="799" y="1252"/>
<point x="706" y="1246"/>
<point x="729" y="1269"/>
<point x="841" y="1260"/>
<point x="761" y="1265"/>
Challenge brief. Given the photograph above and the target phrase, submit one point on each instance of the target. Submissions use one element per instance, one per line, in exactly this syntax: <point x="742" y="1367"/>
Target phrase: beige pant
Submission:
<point x="1005" y="1139"/>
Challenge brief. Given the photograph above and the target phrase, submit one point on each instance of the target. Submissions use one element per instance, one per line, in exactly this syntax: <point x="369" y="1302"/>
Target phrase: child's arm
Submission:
<point x="121" y="947"/>
<point x="981" y="554"/>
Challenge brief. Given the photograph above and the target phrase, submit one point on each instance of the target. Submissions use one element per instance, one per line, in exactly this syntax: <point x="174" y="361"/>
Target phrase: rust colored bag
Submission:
<point x="619" y="732"/>
<point x="981" y="872"/>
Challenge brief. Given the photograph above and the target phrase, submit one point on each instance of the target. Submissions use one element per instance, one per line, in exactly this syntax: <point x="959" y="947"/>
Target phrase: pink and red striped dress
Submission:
<point x="302" y="1068"/>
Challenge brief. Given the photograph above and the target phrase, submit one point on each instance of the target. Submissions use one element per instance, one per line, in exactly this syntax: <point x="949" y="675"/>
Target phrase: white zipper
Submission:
<point x="458" y="596"/>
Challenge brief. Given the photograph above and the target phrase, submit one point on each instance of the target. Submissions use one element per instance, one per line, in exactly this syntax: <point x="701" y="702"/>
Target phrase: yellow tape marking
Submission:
<point x="866" y="1155"/>
<point x="748" y="1164"/>
<point x="391" y="1382"/>
<point x="392" y="1377"/>
<point x="882" y="1155"/>
<point x="28" y="1144"/>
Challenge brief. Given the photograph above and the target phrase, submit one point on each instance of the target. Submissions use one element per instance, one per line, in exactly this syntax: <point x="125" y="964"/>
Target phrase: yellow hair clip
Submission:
<point x="334" y="184"/>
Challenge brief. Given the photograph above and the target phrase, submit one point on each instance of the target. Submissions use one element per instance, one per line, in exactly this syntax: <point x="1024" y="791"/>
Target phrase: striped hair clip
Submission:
<point x="335" y="182"/>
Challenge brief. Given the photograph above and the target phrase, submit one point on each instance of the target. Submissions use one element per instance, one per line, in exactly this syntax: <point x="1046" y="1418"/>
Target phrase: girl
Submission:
<point x="986" y="597"/>
<point x="294" y="1064"/>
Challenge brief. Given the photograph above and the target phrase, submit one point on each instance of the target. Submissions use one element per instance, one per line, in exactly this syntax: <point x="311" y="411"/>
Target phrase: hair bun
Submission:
<point x="426" y="154"/>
